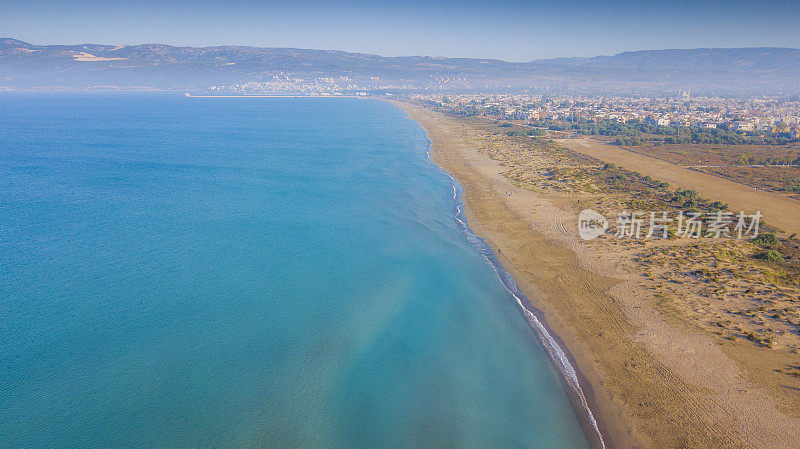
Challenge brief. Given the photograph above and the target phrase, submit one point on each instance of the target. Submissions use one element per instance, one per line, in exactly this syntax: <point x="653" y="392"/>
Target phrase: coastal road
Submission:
<point x="777" y="210"/>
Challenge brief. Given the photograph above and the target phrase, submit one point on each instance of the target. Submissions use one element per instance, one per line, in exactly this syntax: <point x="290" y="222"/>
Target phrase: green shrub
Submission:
<point x="771" y="256"/>
<point x="767" y="240"/>
<point x="718" y="205"/>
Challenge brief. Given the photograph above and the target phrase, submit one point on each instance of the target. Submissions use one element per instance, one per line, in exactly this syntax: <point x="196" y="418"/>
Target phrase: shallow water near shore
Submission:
<point x="250" y="272"/>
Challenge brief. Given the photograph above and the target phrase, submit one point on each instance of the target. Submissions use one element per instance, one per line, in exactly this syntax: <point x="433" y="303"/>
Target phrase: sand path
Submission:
<point x="777" y="210"/>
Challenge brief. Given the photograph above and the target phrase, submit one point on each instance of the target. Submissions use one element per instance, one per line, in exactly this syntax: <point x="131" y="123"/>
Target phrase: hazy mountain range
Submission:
<point x="25" y="66"/>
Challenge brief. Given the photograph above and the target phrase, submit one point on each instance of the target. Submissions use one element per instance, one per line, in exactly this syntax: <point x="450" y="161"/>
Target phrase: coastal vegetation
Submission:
<point x="733" y="289"/>
<point x="636" y="132"/>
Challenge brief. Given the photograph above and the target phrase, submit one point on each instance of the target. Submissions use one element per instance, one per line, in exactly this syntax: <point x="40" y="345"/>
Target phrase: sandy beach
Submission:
<point x="655" y="379"/>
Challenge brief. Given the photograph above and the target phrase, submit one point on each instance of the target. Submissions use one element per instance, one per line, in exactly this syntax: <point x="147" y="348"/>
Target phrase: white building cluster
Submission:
<point x="751" y="115"/>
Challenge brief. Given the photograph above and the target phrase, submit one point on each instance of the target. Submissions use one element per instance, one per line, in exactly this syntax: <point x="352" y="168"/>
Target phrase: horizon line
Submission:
<point x="404" y="56"/>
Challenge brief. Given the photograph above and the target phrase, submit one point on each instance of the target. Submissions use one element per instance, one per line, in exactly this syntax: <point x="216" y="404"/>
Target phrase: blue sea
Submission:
<point x="250" y="273"/>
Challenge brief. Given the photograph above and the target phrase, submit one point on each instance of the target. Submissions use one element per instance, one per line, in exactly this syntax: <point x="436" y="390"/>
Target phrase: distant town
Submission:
<point x="754" y="120"/>
<point x="713" y="119"/>
<point x="336" y="85"/>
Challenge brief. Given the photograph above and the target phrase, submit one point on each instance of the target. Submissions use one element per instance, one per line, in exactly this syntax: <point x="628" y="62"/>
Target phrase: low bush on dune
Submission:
<point x="770" y="256"/>
<point x="767" y="240"/>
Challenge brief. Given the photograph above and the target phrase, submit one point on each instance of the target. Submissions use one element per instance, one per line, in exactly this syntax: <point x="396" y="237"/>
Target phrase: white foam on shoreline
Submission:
<point x="557" y="355"/>
<point x="562" y="364"/>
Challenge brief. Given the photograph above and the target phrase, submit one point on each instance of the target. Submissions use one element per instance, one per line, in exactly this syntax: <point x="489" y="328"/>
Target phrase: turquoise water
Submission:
<point x="186" y="272"/>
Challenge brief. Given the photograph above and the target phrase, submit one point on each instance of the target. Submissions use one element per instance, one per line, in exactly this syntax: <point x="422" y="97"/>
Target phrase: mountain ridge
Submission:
<point x="26" y="66"/>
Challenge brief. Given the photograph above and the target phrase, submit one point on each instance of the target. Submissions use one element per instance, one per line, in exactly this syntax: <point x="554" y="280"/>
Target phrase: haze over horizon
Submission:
<point x="72" y="44"/>
<point x="508" y="30"/>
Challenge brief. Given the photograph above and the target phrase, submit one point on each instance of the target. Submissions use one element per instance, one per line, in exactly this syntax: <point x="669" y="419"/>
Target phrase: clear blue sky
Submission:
<point x="510" y="30"/>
